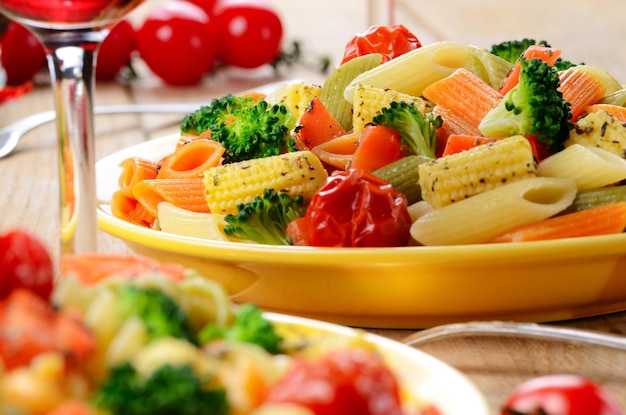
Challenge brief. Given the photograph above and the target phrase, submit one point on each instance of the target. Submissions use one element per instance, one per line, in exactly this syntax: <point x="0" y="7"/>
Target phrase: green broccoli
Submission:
<point x="218" y="111"/>
<point x="249" y="326"/>
<point x="168" y="390"/>
<point x="265" y="218"/>
<point x="534" y="107"/>
<point x="511" y="50"/>
<point x="418" y="132"/>
<point x="160" y="314"/>
<point x="246" y="128"/>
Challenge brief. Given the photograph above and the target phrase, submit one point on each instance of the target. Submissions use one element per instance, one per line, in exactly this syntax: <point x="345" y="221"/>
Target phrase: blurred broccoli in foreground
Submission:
<point x="168" y="390"/>
<point x="534" y="107"/>
<point x="247" y="128"/>
<point x="249" y="326"/>
<point x="160" y="314"/>
<point x="418" y="132"/>
<point x="264" y="220"/>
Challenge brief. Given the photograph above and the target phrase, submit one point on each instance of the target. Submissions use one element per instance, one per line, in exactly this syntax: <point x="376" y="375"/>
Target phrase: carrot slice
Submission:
<point x="93" y="268"/>
<point x="378" y="146"/>
<point x="317" y="125"/>
<point x="601" y="220"/>
<point x="617" y="111"/>
<point x="457" y="143"/>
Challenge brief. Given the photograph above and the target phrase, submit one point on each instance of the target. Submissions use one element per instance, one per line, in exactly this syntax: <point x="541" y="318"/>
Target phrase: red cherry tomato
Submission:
<point x="178" y="43"/>
<point x="22" y="54"/>
<point x="250" y="32"/>
<point x="390" y="41"/>
<point x="560" y="395"/>
<point x="115" y="51"/>
<point x="206" y="5"/>
<point x="351" y="381"/>
<point x="25" y="263"/>
<point x="354" y="208"/>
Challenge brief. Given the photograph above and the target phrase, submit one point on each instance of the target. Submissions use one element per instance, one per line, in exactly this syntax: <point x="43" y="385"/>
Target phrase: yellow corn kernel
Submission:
<point x="599" y="129"/>
<point x="296" y="96"/>
<point x="369" y="101"/>
<point x="296" y="173"/>
<point x="458" y="176"/>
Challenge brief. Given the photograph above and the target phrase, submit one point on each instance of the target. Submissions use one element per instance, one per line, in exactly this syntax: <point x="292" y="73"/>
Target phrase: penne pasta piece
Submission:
<point x="589" y="167"/>
<point x="191" y="159"/>
<point x="134" y="170"/>
<point x="456" y="177"/>
<point x="587" y="199"/>
<point x="600" y="220"/>
<point x="413" y="71"/>
<point x="419" y="209"/>
<point x="128" y="209"/>
<point x="581" y="89"/>
<point x="481" y="218"/>
<point x="186" y="193"/>
<point x="173" y="219"/>
<point x="453" y="123"/>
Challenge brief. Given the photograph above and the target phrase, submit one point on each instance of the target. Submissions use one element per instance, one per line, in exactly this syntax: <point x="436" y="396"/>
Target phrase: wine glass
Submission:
<point x="71" y="32"/>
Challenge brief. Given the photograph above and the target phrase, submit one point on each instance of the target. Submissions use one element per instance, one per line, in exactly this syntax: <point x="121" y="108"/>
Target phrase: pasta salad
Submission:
<point x="443" y="144"/>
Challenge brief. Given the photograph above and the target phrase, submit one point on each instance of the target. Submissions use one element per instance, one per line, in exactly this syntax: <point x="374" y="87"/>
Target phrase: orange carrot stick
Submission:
<point x="545" y="53"/>
<point x="191" y="159"/>
<point x="457" y="143"/>
<point x="601" y="220"/>
<point x="617" y="111"/>
<point x="317" y="125"/>
<point x="464" y="94"/>
<point x="185" y="193"/>
<point x="580" y="89"/>
<point x="134" y="170"/>
<point x="378" y="146"/>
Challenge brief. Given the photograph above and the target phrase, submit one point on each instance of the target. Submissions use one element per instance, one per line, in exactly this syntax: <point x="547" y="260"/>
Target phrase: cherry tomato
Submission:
<point x="560" y="395"/>
<point x="115" y="51"/>
<point x="22" y="55"/>
<point x="178" y="43"/>
<point x="25" y="263"/>
<point x="353" y="208"/>
<point x="390" y="41"/>
<point x="351" y="381"/>
<point x="250" y="32"/>
<point x="206" y="5"/>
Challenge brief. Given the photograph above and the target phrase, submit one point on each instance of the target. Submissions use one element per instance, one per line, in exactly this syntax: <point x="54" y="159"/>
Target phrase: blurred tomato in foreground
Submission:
<point x="25" y="263"/>
<point x="560" y="395"/>
<point x="250" y="32"/>
<point x="22" y="55"/>
<point x="206" y="5"/>
<point x="178" y="43"/>
<point x="116" y="51"/>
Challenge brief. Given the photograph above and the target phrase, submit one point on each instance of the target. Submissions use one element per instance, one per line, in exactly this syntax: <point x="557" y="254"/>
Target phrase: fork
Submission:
<point x="503" y="328"/>
<point x="11" y="134"/>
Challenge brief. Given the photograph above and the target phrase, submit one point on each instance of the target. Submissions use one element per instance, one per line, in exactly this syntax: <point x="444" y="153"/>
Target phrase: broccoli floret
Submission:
<point x="168" y="390"/>
<point x="256" y="132"/>
<point x="218" y="111"/>
<point x="265" y="218"/>
<point x="418" y="132"/>
<point x="511" y="50"/>
<point x="249" y="326"/>
<point x="534" y="107"/>
<point x="161" y="315"/>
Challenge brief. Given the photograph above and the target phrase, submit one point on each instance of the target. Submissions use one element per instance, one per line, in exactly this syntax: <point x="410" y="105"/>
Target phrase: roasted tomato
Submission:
<point x="390" y="41"/>
<point x="354" y="208"/>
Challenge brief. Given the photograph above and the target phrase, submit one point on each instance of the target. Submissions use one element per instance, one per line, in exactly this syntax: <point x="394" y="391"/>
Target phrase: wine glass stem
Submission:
<point x="72" y="74"/>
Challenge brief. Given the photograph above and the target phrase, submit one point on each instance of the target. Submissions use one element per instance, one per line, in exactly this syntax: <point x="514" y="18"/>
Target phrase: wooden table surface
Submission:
<point x="590" y="32"/>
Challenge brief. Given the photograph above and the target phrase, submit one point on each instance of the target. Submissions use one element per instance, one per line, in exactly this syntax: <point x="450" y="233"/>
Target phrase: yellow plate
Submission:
<point x="408" y="287"/>
<point x="422" y="376"/>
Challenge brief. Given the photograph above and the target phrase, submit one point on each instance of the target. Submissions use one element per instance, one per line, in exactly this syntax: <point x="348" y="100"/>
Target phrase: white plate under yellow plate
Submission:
<point x="408" y="287"/>
<point x="423" y="376"/>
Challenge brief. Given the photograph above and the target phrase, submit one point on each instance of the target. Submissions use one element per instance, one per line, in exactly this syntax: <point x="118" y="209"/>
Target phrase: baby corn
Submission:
<point x="228" y="185"/>
<point x="458" y="176"/>
<point x="296" y="96"/>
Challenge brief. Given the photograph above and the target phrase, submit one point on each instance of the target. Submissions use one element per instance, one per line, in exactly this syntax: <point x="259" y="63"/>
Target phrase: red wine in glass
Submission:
<point x="71" y="32"/>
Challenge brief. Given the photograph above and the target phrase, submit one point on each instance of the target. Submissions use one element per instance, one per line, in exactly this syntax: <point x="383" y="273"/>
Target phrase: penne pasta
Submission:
<point x="134" y="170"/>
<point x="589" y="167"/>
<point x="186" y="193"/>
<point x="191" y="159"/>
<point x="130" y="210"/>
<point x="481" y="218"/>
<point x="587" y="199"/>
<point x="181" y="221"/>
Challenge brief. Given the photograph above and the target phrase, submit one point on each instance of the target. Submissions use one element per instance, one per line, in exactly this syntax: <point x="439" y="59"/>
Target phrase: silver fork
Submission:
<point x="511" y="329"/>
<point x="11" y="134"/>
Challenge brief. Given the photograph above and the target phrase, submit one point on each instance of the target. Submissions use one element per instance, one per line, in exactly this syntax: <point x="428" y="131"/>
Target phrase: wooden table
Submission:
<point x="591" y="32"/>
